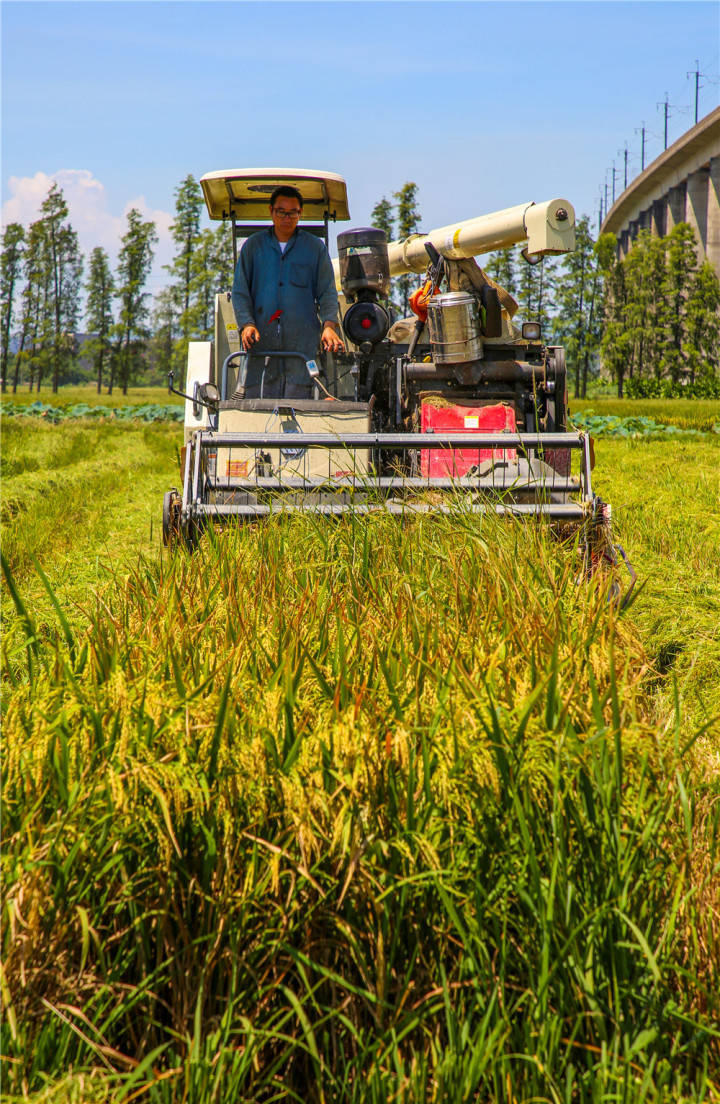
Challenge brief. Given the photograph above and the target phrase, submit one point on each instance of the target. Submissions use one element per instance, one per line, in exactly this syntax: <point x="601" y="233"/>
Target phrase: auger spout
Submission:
<point x="547" y="228"/>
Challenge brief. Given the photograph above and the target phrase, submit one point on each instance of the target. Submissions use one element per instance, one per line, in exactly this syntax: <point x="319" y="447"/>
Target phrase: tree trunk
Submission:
<point x="18" y="358"/>
<point x="585" y="373"/>
<point x="56" y="365"/>
<point x="126" y="364"/>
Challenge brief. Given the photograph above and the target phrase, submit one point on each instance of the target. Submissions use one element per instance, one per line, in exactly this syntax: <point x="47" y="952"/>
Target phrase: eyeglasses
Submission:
<point x="281" y="213"/>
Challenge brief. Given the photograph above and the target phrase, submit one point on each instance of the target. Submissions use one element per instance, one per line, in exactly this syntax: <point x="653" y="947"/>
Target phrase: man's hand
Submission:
<point x="330" y="340"/>
<point x="249" y="335"/>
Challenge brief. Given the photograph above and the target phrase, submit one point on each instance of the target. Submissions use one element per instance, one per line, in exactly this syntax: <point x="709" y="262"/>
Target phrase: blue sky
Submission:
<point x="484" y="105"/>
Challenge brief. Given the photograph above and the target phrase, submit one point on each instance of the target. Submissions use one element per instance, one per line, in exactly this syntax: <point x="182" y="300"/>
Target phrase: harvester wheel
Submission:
<point x="493" y="314"/>
<point x="171" y="517"/>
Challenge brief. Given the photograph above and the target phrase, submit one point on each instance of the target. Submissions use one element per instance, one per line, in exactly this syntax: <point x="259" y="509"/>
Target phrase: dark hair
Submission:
<point x="286" y="190"/>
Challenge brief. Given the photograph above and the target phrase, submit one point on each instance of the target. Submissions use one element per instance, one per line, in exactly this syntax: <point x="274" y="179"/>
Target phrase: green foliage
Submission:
<point x="578" y="324"/>
<point x="503" y="268"/>
<point x="134" y="261"/>
<point x="35" y="335"/>
<point x="383" y="217"/>
<point x="536" y="287"/>
<point x="50" y="298"/>
<point x="661" y="316"/>
<point x="399" y="220"/>
<point x="704" y="387"/>
<point x="637" y="425"/>
<point x="687" y="413"/>
<point x="13" y="242"/>
<point x="185" y="231"/>
<point x="148" y="412"/>
<point x="211" y="272"/>
<point x="65" y="264"/>
<point x="100" y="289"/>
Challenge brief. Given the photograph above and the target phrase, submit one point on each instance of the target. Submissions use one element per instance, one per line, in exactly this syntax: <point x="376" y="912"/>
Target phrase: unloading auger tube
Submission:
<point x="548" y="228"/>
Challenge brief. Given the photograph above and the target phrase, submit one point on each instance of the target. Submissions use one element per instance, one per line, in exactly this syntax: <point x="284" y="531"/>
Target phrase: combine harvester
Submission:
<point x="462" y="411"/>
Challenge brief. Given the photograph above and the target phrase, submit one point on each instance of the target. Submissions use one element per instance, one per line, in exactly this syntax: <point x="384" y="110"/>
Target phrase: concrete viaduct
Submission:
<point x="681" y="185"/>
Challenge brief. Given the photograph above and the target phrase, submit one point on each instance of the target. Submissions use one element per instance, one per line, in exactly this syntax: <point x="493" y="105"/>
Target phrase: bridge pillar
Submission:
<point x="712" y="244"/>
<point x="644" y="219"/>
<point x="696" y="211"/>
<point x="675" y="206"/>
<point x="658" y="219"/>
<point x="624" y="243"/>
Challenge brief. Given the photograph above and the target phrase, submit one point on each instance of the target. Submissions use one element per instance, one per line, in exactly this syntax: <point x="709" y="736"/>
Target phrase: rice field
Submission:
<point x="356" y="812"/>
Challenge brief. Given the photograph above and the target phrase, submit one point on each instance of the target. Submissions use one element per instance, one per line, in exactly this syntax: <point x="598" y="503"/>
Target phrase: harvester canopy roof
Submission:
<point x="244" y="194"/>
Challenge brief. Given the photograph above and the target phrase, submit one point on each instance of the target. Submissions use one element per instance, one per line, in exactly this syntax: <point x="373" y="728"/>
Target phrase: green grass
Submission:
<point x="360" y="811"/>
<point x="700" y="414"/>
<point x="666" y="509"/>
<point x="87" y="393"/>
<point x="80" y="498"/>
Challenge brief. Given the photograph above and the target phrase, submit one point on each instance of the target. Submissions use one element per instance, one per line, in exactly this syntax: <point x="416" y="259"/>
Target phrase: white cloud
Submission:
<point x="87" y="202"/>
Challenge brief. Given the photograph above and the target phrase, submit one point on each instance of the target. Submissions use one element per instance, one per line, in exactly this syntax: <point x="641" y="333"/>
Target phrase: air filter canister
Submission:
<point x="364" y="264"/>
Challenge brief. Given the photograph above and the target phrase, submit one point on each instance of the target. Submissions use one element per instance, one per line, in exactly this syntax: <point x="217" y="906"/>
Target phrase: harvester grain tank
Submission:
<point x="464" y="412"/>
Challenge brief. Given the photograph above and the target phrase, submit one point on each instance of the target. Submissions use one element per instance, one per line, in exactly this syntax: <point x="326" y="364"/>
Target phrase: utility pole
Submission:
<point x="697" y="74"/>
<point x="614" y="175"/>
<point x="665" y="104"/>
<point x="600" y="213"/>
<point x="625" y="154"/>
<point x="606" y="194"/>
<point x="642" y="148"/>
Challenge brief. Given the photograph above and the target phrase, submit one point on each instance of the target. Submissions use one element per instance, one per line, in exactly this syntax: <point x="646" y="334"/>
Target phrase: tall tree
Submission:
<point x="134" y="262"/>
<point x="13" y="242"/>
<point x="661" y="316"/>
<point x="408" y="222"/>
<point x="36" y="311"/>
<point x="65" y="265"/>
<point x="593" y="332"/>
<point x="645" y="316"/>
<point x="185" y="232"/>
<point x="100" y="288"/>
<point x="703" y="325"/>
<point x="163" y="323"/>
<point x="211" y="271"/>
<point x="528" y="292"/>
<point x="383" y="218"/>
<point x="617" y="342"/>
<point x="681" y="270"/>
<point x="574" y="302"/>
<point x="502" y="267"/>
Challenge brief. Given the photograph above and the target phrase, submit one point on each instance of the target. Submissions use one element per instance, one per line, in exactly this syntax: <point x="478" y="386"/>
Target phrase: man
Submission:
<point x="284" y="288"/>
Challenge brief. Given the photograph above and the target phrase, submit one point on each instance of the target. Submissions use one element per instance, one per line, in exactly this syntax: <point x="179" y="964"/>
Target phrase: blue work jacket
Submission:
<point x="299" y="283"/>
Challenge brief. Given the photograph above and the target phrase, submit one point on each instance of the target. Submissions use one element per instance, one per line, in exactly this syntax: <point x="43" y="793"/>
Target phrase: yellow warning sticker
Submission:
<point x="472" y="421"/>
<point x="237" y="469"/>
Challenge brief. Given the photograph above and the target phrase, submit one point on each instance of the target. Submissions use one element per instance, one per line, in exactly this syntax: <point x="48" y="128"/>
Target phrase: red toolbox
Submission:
<point x="453" y="418"/>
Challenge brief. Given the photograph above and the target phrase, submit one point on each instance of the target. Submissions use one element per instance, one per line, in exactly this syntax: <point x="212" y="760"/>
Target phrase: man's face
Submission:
<point x="285" y="215"/>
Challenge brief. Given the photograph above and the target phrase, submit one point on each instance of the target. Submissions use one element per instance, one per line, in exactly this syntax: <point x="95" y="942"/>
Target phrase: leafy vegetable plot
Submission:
<point x="149" y="412"/>
<point x="613" y="425"/>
